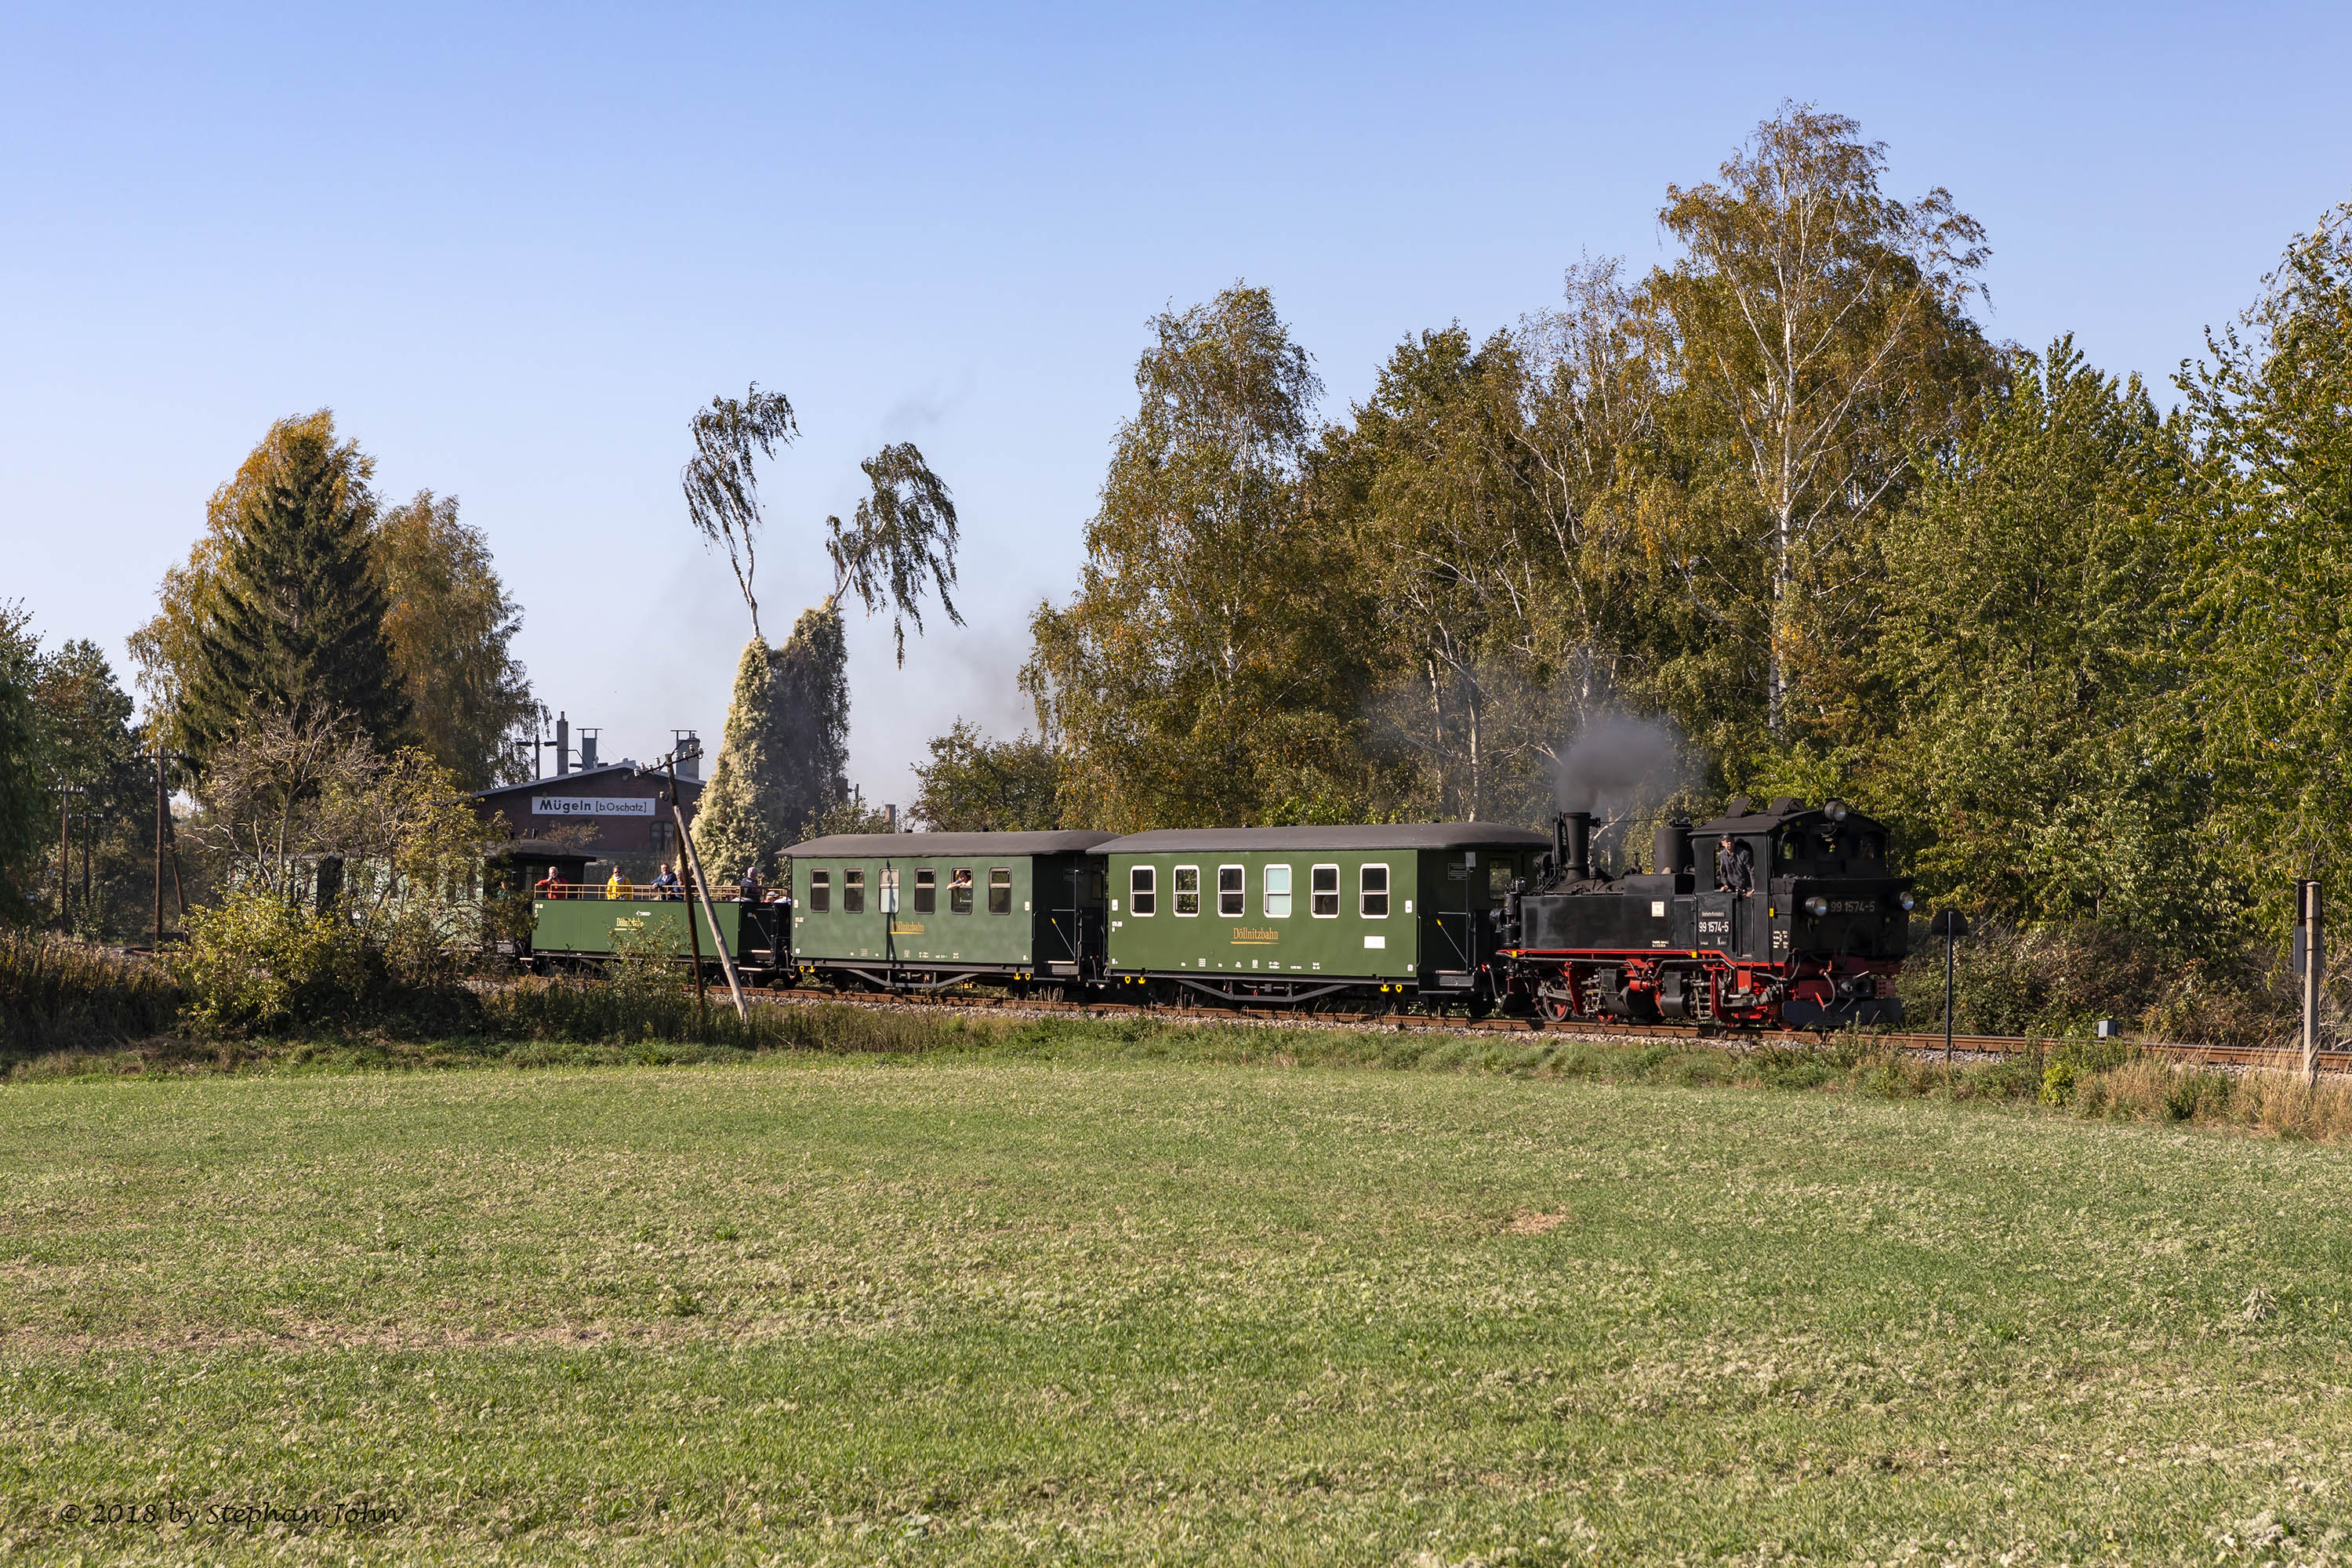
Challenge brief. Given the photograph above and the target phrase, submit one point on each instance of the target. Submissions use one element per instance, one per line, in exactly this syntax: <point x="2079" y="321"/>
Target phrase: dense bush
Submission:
<point x="58" y="993"/>
<point x="255" y="964"/>
<point x="2054" y="981"/>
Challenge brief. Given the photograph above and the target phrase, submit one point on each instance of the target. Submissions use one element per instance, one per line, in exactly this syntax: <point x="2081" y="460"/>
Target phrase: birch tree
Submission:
<point x="783" y="761"/>
<point x="1823" y="324"/>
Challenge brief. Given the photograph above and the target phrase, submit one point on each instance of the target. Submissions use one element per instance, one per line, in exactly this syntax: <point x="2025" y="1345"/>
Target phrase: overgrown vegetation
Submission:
<point x="60" y="994"/>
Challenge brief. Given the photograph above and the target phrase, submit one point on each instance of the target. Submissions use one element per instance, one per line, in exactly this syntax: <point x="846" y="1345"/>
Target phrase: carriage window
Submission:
<point x="1324" y="884"/>
<point x="1142" y="895"/>
<point x="1187" y="889"/>
<point x="1498" y="876"/>
<point x="960" y="892"/>
<point x="1375" y="902"/>
<point x="1278" y="893"/>
<point x="926" y="892"/>
<point x="1000" y="889"/>
<point x="1097" y="884"/>
<point x="853" y="893"/>
<point x="888" y="888"/>
<point x="1230" y="899"/>
<point x="820" y="891"/>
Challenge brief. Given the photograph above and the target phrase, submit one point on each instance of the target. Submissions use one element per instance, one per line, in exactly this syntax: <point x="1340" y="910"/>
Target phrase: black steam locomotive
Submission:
<point x="1785" y="918"/>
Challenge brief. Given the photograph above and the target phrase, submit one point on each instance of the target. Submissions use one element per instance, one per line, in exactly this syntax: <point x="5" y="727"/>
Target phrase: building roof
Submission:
<point x="926" y="845"/>
<point x="601" y="772"/>
<point x="1779" y="813"/>
<point x="1370" y="835"/>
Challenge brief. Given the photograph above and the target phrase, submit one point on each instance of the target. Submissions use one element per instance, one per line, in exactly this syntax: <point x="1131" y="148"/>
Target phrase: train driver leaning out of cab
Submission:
<point x="1735" y="866"/>
<point x="666" y="884"/>
<point x="613" y="886"/>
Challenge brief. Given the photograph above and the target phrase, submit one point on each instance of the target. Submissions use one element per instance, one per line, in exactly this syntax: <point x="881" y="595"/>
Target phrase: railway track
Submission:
<point x="1979" y="1045"/>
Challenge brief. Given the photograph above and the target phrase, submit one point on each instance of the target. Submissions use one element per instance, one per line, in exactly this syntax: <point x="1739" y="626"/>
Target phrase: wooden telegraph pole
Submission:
<point x="2310" y="959"/>
<point x="65" y="794"/>
<point x="162" y="806"/>
<point x="702" y="894"/>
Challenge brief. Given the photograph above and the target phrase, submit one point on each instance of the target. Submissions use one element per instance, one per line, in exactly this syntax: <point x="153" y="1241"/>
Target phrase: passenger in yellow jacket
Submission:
<point x="613" y="886"/>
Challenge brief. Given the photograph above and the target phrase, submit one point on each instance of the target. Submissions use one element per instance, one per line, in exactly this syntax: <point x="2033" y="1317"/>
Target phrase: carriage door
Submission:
<point x="1456" y="917"/>
<point x="1060" y="934"/>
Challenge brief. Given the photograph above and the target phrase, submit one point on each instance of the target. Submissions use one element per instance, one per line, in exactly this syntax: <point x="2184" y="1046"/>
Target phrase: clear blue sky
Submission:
<point x="513" y="250"/>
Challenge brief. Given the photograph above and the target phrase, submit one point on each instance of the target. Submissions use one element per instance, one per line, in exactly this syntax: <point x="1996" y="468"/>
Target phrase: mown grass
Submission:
<point x="1038" y="1304"/>
<point x="543" y="1024"/>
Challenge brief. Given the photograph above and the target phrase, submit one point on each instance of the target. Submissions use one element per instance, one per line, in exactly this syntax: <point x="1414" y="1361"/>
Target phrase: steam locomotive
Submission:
<point x="1784" y="917"/>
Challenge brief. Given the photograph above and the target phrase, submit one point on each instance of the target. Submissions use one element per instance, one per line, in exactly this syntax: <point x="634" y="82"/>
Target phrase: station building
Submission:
<point x="587" y="820"/>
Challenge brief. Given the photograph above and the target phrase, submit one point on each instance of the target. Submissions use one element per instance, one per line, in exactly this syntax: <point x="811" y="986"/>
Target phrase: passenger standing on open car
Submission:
<point x="1735" y="865"/>
<point x="666" y="885"/>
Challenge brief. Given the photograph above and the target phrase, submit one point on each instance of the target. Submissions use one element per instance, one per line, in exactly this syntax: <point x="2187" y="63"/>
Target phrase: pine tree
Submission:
<point x="298" y="623"/>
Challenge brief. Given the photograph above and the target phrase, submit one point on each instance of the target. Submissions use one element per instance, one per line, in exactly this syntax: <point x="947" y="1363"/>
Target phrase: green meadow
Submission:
<point x="1081" y="1305"/>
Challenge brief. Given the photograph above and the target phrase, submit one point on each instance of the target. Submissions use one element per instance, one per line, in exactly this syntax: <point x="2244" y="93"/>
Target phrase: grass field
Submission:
<point x="1074" y="1307"/>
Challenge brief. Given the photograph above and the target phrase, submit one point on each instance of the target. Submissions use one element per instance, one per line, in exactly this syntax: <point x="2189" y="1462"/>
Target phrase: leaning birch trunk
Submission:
<point x="702" y="892"/>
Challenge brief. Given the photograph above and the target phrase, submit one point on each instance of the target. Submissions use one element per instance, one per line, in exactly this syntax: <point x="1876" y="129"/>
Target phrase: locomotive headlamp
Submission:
<point x="1834" y="810"/>
<point x="1905" y="900"/>
<point x="1817" y="906"/>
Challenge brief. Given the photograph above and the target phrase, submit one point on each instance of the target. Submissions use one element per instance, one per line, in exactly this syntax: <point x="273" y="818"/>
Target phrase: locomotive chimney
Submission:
<point x="1571" y="844"/>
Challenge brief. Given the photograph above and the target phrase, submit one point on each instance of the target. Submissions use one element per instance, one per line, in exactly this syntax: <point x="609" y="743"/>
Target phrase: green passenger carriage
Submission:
<point x="923" y="911"/>
<point x="585" y="924"/>
<point x="1300" y="914"/>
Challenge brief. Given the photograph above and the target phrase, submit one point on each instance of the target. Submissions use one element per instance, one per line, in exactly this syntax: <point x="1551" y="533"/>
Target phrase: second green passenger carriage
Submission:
<point x="923" y="911"/>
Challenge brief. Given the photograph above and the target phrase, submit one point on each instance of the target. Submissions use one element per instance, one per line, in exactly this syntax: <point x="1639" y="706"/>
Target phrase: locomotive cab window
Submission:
<point x="1187" y="889"/>
<point x="853" y="893"/>
<point x="1374" y="900"/>
<point x="820" y="891"/>
<point x="927" y="892"/>
<point x="1499" y="873"/>
<point x="1231" y="898"/>
<point x="1142" y="890"/>
<point x="1323" y="887"/>
<point x="1000" y="889"/>
<point x="1278" y="893"/>
<point x="960" y="892"/>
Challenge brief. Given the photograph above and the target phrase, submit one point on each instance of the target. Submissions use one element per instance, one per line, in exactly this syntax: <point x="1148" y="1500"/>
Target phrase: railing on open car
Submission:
<point x="640" y="892"/>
